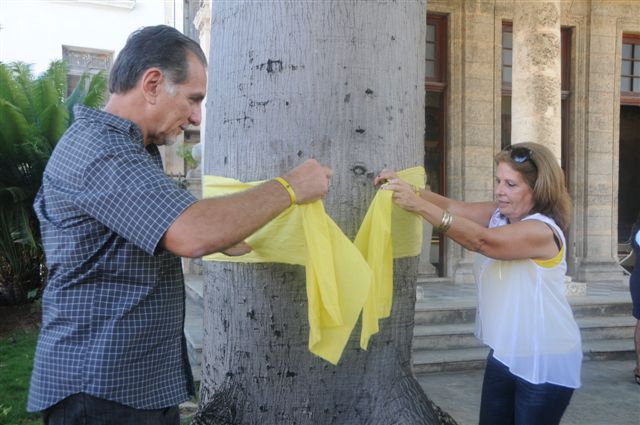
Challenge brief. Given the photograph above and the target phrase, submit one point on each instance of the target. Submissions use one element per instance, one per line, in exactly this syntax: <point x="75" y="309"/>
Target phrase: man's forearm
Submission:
<point x="214" y="224"/>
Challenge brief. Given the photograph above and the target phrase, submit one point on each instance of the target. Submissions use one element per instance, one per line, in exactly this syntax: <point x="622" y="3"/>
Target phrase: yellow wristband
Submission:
<point x="289" y="189"/>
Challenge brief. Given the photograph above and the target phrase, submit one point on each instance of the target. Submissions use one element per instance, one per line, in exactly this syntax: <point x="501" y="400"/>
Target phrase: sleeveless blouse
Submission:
<point x="524" y="316"/>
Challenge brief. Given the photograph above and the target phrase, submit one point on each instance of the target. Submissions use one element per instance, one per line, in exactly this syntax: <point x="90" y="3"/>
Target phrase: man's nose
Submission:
<point x="196" y="115"/>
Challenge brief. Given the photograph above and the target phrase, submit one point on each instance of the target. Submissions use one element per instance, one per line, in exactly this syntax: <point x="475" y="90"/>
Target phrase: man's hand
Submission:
<point x="241" y="248"/>
<point x="309" y="180"/>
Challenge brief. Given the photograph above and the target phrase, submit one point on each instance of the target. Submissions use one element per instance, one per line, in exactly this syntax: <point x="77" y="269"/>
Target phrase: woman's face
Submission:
<point x="513" y="194"/>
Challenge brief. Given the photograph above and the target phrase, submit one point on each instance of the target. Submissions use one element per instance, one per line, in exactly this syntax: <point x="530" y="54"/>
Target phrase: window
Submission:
<point x="82" y="60"/>
<point x="507" y="56"/>
<point x="630" y="70"/>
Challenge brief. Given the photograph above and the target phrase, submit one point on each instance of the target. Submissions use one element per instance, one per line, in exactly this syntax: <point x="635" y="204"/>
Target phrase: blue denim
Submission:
<point x="510" y="400"/>
<point x="83" y="409"/>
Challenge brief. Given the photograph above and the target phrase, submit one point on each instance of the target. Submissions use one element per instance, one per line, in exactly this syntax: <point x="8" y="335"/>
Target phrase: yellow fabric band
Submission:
<point x="289" y="189"/>
<point x="345" y="280"/>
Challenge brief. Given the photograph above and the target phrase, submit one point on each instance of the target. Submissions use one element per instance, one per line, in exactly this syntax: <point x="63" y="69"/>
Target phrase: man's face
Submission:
<point x="179" y="105"/>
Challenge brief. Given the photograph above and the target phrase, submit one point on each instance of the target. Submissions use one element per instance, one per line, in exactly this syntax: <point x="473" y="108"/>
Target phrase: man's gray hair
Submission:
<point x="160" y="46"/>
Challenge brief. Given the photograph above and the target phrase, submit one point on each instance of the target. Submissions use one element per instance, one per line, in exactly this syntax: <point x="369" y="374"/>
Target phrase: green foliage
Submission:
<point x="184" y="152"/>
<point x="16" y="362"/>
<point x="34" y="113"/>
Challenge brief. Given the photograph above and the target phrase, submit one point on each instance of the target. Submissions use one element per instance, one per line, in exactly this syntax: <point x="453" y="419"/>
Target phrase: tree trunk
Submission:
<point x="343" y="82"/>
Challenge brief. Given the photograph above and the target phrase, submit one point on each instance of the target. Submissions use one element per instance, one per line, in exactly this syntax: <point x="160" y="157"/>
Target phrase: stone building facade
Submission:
<point x="562" y="73"/>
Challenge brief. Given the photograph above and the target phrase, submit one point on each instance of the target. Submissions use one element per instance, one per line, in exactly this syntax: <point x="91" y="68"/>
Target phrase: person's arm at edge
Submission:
<point x="215" y="224"/>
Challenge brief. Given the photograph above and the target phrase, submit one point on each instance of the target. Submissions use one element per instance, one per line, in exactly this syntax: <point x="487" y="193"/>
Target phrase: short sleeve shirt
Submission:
<point x="113" y="305"/>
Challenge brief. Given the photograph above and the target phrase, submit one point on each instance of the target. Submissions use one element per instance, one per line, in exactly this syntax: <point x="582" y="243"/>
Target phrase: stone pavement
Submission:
<point x="608" y="396"/>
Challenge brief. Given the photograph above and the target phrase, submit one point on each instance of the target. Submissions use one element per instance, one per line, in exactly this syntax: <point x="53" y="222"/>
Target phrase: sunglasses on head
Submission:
<point x="520" y="154"/>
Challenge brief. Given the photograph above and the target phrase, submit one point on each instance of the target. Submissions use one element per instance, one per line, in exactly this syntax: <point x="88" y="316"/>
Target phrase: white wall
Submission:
<point x="34" y="31"/>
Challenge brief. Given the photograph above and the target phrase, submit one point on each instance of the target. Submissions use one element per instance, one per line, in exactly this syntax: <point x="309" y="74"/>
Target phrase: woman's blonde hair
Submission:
<point x="540" y="169"/>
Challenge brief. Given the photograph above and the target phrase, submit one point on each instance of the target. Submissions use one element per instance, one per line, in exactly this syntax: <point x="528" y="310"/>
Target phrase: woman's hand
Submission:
<point x="404" y="195"/>
<point x="384" y="176"/>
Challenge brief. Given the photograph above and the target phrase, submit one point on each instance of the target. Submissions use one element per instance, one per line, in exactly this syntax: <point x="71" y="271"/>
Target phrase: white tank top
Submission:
<point x="524" y="316"/>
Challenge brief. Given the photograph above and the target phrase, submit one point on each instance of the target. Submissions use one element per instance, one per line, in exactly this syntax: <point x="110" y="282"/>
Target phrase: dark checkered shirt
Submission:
<point x="113" y="306"/>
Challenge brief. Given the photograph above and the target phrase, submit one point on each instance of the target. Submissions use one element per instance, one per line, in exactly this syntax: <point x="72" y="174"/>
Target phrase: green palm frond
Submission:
<point x="54" y="120"/>
<point x="96" y="94"/>
<point x="34" y="113"/>
<point x="91" y="94"/>
<point x="76" y="95"/>
<point x="45" y="94"/>
<point x="10" y="90"/>
<point x="14" y="127"/>
<point x="24" y="79"/>
<point x="57" y="75"/>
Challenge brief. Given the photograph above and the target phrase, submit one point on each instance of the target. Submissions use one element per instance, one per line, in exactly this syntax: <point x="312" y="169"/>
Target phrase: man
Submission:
<point x="112" y="348"/>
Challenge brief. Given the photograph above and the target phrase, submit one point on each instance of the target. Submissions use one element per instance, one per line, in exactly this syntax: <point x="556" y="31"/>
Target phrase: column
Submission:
<point x="536" y="74"/>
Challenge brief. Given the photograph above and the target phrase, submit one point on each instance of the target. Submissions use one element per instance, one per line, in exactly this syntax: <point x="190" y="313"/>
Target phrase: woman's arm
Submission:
<point x="525" y="239"/>
<point x="478" y="212"/>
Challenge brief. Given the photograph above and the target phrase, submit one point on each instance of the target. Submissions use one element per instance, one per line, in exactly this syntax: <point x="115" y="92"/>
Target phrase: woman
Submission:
<point x="634" y="287"/>
<point x="534" y="363"/>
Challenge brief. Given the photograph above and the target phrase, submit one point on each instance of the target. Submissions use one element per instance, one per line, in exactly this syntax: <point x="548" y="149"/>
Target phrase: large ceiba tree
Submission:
<point x="341" y="81"/>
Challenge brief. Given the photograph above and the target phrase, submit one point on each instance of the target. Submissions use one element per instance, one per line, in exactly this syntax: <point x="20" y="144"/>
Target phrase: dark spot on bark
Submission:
<point x="300" y="153"/>
<point x="253" y="103"/>
<point x="272" y="65"/>
<point x="251" y="315"/>
<point x="229" y="374"/>
<point x="225" y="325"/>
<point x="286" y="103"/>
<point x="278" y="334"/>
<point x="291" y="374"/>
<point x="369" y="92"/>
<point x="370" y="175"/>
<point x="360" y="130"/>
<point x="359" y="170"/>
<point x="393" y="38"/>
<point x="347" y="98"/>
<point x="263" y="408"/>
<point x="226" y="160"/>
<point x="245" y="120"/>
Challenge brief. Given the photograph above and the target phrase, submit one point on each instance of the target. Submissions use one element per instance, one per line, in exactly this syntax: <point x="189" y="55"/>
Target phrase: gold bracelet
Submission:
<point x="288" y="188"/>
<point x="445" y="224"/>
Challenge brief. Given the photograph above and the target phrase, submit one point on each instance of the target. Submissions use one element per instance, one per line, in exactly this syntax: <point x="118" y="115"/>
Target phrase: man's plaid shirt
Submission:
<point x="113" y="306"/>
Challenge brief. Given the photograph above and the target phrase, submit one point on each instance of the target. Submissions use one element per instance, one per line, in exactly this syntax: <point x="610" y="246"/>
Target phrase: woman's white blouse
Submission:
<point x="524" y="316"/>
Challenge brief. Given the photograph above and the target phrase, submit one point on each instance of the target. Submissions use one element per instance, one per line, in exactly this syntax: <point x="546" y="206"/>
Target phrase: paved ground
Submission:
<point x="608" y="396"/>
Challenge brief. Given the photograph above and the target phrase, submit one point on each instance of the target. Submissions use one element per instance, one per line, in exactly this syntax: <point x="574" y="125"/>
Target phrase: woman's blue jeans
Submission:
<point x="510" y="400"/>
<point x="83" y="409"/>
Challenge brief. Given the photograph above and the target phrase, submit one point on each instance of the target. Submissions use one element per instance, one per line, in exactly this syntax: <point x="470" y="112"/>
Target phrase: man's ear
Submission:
<point x="150" y="82"/>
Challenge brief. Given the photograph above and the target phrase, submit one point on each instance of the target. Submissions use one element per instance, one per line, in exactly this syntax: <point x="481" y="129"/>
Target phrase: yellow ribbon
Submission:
<point x="343" y="278"/>
<point x="387" y="232"/>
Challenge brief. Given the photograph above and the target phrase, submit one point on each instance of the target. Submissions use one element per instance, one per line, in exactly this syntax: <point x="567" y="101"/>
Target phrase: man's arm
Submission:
<point x="214" y="224"/>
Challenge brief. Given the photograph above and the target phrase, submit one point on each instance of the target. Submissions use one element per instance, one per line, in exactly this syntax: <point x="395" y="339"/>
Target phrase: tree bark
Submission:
<point x="341" y="81"/>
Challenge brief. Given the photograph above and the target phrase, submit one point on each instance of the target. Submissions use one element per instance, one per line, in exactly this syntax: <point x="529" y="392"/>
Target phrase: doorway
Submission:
<point x="629" y="170"/>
